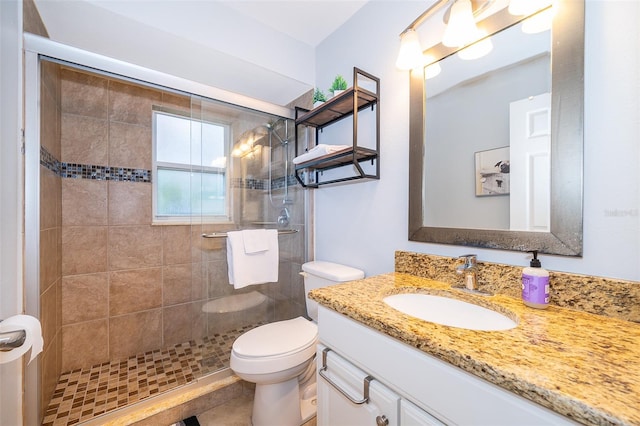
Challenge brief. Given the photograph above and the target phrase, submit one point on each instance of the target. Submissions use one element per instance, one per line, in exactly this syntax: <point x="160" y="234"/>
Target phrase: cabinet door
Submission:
<point x="334" y="409"/>
<point x="412" y="415"/>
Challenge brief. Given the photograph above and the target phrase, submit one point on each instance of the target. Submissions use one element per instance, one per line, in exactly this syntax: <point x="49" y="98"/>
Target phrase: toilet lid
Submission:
<point x="277" y="338"/>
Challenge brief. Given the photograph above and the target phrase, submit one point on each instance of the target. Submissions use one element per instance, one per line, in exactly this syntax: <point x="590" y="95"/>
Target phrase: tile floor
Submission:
<point x="236" y="412"/>
<point x="84" y="394"/>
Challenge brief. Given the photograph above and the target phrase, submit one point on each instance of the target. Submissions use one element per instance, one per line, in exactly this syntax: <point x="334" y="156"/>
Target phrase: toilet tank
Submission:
<point x="322" y="274"/>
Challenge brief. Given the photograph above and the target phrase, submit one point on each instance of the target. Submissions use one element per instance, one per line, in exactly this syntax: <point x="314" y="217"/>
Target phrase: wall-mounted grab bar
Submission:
<point x="224" y="234"/>
<point x="12" y="339"/>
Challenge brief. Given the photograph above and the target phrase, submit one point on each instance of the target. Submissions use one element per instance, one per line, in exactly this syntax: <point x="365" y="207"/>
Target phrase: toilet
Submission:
<point x="278" y="357"/>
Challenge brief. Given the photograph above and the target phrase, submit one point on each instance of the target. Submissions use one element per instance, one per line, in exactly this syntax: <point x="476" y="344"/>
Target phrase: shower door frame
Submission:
<point x="36" y="47"/>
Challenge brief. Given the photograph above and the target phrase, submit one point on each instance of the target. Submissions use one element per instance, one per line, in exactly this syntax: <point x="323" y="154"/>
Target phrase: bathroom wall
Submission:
<point x="32" y="21"/>
<point x="129" y="286"/>
<point x="361" y="224"/>
<point x="366" y="222"/>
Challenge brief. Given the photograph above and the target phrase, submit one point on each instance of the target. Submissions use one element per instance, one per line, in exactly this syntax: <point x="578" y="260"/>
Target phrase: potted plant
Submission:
<point x="338" y="86"/>
<point x="318" y="97"/>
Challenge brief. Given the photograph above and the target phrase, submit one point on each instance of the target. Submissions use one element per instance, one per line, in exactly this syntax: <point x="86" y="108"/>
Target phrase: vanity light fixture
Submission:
<point x="461" y="31"/>
<point x="246" y="144"/>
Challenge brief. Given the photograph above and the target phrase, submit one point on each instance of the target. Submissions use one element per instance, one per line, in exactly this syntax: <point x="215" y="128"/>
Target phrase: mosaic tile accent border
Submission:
<point x="120" y="174"/>
<point x="49" y="161"/>
<point x="278" y="183"/>
<point x="89" y="171"/>
<point x="123" y="174"/>
<point x="84" y="394"/>
<point x="262" y="184"/>
<point x="249" y="183"/>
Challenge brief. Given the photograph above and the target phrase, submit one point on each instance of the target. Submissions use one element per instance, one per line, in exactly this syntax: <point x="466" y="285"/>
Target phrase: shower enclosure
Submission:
<point x="124" y="180"/>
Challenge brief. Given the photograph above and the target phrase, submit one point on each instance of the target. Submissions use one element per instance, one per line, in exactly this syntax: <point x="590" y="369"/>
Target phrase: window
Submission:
<point x="189" y="169"/>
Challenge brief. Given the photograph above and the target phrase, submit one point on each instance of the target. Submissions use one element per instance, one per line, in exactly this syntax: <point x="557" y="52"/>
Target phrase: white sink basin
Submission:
<point x="451" y="312"/>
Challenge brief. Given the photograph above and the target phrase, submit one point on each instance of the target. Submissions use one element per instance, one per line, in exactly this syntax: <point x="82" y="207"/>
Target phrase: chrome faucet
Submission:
<point x="470" y="271"/>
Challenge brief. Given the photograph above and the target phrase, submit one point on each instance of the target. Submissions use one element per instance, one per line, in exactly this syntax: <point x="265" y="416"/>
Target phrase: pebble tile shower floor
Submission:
<point x="86" y="393"/>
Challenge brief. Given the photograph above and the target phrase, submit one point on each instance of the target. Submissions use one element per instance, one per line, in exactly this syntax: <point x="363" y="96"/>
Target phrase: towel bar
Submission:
<point x="224" y="234"/>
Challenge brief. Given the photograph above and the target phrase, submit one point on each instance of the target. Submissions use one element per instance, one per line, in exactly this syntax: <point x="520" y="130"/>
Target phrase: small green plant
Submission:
<point x="319" y="96"/>
<point x="338" y="84"/>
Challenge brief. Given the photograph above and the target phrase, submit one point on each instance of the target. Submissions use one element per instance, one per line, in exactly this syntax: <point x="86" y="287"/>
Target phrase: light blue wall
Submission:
<point x="362" y="224"/>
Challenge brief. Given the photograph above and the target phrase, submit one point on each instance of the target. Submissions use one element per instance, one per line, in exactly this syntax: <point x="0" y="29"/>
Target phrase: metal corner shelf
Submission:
<point x="348" y="103"/>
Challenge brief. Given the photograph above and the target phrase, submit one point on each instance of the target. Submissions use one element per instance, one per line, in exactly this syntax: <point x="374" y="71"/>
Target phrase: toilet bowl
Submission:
<point x="278" y="357"/>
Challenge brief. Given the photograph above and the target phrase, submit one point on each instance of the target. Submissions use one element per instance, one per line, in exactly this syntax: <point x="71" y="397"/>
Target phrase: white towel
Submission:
<point x="255" y="240"/>
<point x="318" y="151"/>
<point x="252" y="268"/>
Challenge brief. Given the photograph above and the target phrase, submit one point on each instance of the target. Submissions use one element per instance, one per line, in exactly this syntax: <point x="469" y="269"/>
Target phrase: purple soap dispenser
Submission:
<point x="535" y="284"/>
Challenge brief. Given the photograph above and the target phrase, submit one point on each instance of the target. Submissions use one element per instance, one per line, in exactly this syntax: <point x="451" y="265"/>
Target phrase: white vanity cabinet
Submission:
<point x="341" y="390"/>
<point x="428" y="389"/>
<point x="350" y="396"/>
<point x="412" y="415"/>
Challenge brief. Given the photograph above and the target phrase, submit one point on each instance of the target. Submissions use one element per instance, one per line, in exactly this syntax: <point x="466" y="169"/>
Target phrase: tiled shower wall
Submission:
<point x="128" y="286"/>
<point x="50" y="235"/>
<point x="113" y="260"/>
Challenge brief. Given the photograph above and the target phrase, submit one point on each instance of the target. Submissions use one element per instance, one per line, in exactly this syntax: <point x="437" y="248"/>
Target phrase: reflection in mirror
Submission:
<point x="466" y="181"/>
<point x="474" y="109"/>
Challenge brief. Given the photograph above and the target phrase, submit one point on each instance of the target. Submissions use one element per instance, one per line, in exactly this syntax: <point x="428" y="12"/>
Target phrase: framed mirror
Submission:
<point x="463" y="188"/>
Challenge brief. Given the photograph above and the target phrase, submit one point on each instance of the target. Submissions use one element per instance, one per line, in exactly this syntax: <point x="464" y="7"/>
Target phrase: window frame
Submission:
<point x="187" y="219"/>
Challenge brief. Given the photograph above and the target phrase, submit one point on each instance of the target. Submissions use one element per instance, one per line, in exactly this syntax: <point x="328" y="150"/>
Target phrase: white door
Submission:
<point x="10" y="197"/>
<point x="530" y="156"/>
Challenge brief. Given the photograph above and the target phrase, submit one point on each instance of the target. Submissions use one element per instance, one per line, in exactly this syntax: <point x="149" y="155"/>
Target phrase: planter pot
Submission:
<point x="317" y="103"/>
<point x="337" y="92"/>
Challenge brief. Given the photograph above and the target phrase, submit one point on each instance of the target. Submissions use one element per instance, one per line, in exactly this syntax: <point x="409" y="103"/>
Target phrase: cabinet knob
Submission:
<point x="382" y="420"/>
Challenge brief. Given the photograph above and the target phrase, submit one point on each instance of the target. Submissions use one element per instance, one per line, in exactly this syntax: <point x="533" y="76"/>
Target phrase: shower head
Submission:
<point x="271" y="127"/>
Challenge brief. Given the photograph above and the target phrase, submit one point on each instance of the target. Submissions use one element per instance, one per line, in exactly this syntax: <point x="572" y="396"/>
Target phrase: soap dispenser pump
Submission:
<point x="535" y="284"/>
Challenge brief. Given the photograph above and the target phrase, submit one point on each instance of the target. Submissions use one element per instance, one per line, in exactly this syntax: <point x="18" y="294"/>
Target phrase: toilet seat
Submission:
<point x="276" y="338"/>
<point x="275" y="346"/>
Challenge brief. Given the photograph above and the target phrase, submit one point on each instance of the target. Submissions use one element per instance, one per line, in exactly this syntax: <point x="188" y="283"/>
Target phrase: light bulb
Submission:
<point x="410" y="55"/>
<point x="461" y="29"/>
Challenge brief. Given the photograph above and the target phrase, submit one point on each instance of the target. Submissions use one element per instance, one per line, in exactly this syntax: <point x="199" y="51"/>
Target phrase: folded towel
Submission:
<point x="318" y="151"/>
<point x="252" y="268"/>
<point x="255" y="240"/>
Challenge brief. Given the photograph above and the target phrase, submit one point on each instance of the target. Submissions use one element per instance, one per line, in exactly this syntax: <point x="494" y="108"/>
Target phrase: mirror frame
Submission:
<point x="567" y="134"/>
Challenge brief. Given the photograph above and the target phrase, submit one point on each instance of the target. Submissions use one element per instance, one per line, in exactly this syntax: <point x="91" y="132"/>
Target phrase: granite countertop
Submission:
<point x="581" y="365"/>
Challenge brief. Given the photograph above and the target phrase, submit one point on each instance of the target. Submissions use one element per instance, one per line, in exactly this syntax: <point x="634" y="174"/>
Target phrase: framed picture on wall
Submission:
<point x="492" y="172"/>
